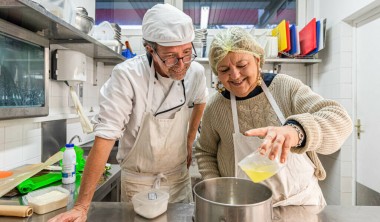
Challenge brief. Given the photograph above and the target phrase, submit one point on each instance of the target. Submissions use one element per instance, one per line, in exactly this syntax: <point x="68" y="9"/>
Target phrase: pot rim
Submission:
<point x="232" y="205"/>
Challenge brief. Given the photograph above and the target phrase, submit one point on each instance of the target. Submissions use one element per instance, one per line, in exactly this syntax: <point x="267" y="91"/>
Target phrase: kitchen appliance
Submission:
<point x="68" y="65"/>
<point x="229" y="199"/>
<point x="24" y="68"/>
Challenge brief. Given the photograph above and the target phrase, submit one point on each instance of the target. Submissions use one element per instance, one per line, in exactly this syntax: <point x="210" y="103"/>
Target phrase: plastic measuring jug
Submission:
<point x="259" y="167"/>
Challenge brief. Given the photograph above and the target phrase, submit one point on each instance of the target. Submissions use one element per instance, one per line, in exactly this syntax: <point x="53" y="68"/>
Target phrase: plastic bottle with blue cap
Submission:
<point x="69" y="165"/>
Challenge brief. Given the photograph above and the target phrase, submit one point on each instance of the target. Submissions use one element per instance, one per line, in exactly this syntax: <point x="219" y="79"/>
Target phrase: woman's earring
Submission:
<point x="219" y="86"/>
<point x="259" y="77"/>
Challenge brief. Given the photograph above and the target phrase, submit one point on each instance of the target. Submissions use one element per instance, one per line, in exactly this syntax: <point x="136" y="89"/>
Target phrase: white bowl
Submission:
<point x="150" y="203"/>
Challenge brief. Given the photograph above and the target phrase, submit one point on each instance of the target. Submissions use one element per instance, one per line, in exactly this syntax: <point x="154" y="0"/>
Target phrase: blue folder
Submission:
<point x="318" y="27"/>
<point x="293" y="39"/>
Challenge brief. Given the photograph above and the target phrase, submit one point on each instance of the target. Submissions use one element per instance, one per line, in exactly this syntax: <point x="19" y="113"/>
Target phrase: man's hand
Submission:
<point x="77" y="214"/>
<point x="189" y="153"/>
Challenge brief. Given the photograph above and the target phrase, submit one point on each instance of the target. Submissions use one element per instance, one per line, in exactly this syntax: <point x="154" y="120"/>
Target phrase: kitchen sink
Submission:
<point x="112" y="157"/>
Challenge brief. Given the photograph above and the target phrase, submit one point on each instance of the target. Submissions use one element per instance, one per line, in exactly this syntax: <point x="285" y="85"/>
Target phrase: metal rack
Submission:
<point x="33" y="17"/>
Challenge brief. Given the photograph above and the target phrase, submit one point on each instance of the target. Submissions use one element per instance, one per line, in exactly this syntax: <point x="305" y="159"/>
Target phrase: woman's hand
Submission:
<point x="276" y="139"/>
<point x="77" y="214"/>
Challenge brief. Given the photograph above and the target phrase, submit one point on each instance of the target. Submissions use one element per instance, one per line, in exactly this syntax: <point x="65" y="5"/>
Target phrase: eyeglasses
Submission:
<point x="172" y="61"/>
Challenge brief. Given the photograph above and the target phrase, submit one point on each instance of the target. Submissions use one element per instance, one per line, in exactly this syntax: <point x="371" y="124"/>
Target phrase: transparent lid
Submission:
<point x="151" y="196"/>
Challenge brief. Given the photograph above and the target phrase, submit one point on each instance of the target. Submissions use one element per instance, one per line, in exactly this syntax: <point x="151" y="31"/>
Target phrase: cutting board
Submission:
<point x="308" y="37"/>
<point x="22" y="173"/>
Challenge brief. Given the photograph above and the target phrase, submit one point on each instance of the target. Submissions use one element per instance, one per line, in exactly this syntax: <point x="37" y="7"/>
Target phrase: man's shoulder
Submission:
<point x="197" y="68"/>
<point x="136" y="65"/>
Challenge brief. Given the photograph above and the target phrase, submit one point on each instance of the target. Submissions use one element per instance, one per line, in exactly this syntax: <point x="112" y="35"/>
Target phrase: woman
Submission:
<point x="294" y="122"/>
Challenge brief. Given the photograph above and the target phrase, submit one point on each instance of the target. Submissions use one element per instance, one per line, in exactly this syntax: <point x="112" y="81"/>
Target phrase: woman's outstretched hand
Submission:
<point x="276" y="139"/>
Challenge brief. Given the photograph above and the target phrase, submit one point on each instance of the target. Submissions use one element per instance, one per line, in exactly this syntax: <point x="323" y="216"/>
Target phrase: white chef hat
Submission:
<point x="167" y="26"/>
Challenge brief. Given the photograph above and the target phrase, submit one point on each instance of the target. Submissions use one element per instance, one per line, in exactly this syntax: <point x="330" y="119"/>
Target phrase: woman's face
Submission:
<point x="238" y="73"/>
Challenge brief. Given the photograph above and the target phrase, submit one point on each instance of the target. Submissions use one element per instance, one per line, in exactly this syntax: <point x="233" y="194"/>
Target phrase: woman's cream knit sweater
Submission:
<point x="326" y="123"/>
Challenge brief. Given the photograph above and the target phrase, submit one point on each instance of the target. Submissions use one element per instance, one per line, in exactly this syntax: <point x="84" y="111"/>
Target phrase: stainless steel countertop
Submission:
<point x="111" y="211"/>
<point x="107" y="182"/>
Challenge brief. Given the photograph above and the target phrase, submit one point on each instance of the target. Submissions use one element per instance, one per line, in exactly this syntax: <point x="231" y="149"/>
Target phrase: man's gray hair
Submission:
<point x="151" y="44"/>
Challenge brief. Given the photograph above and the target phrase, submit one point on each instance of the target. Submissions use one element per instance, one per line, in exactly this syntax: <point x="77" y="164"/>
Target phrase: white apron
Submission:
<point x="295" y="183"/>
<point x="159" y="154"/>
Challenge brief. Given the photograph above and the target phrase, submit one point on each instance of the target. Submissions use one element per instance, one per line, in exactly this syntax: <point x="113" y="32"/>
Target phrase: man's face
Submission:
<point x="164" y="57"/>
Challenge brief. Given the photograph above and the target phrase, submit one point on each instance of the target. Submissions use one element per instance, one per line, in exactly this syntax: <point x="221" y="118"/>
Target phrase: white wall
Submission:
<point x="337" y="10"/>
<point x="20" y="139"/>
<point x="88" y="4"/>
<point x="335" y="82"/>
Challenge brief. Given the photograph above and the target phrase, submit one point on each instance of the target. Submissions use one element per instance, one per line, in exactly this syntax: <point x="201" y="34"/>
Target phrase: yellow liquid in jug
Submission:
<point x="259" y="173"/>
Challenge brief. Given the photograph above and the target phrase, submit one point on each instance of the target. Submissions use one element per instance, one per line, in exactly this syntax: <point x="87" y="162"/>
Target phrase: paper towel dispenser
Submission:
<point x="68" y="65"/>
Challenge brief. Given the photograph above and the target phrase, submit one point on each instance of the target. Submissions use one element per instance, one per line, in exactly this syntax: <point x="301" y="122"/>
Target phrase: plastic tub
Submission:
<point x="48" y="199"/>
<point x="150" y="203"/>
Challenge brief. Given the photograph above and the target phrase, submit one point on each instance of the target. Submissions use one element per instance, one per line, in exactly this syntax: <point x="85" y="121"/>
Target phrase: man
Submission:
<point x="152" y="104"/>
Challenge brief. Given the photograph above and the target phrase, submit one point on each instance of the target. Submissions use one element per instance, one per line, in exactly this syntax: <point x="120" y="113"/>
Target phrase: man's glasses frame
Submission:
<point x="185" y="59"/>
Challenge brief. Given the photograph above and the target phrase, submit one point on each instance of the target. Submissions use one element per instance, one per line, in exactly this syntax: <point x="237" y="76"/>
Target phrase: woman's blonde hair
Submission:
<point x="234" y="39"/>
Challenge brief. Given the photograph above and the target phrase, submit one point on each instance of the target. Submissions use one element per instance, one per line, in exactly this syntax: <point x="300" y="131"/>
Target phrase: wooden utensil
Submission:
<point x="22" y="173"/>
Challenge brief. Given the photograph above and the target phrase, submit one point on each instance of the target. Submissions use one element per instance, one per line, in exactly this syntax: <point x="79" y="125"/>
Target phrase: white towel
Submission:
<point x="87" y="127"/>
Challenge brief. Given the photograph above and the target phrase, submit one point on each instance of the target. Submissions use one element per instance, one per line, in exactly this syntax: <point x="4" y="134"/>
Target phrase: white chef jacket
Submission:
<point x="123" y="99"/>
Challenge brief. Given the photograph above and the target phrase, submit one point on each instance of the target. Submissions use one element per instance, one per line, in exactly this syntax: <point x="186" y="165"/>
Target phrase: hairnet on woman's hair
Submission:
<point x="234" y="39"/>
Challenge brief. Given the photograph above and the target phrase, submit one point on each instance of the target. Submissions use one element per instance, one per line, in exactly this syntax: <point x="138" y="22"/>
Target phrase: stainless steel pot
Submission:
<point x="82" y="21"/>
<point x="228" y="199"/>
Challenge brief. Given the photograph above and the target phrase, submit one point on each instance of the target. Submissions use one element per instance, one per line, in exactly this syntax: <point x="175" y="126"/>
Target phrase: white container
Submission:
<point x="259" y="167"/>
<point x="46" y="200"/>
<point x="69" y="65"/>
<point x="150" y="203"/>
<point x="68" y="165"/>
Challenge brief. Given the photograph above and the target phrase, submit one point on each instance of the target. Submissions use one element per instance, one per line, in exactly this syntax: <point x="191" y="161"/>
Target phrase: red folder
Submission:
<point x="308" y="37"/>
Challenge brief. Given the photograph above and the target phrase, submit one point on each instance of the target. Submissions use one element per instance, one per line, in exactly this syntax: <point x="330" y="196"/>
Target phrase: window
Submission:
<point x="244" y="13"/>
<point x="122" y="12"/>
<point x="216" y="13"/>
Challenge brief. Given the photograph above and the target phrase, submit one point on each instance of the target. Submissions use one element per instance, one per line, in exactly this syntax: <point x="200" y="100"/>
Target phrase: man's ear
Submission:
<point x="149" y="49"/>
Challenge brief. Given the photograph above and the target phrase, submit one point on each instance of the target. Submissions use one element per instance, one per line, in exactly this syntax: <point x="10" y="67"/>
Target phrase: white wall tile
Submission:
<point x="13" y="154"/>
<point x="346" y="198"/>
<point x="346" y="184"/>
<point x="13" y="133"/>
<point x="31" y="147"/>
<point x="345" y="30"/>
<point x="2" y="135"/>
<point x="331" y="194"/>
<point x="346" y="169"/>
<point x="345" y="91"/>
<point x="31" y="130"/>
<point x="350" y="139"/>
<point x="346" y="154"/>
<point x="345" y="75"/>
<point x="346" y="44"/>
<point x="58" y="88"/>
<point x="345" y="60"/>
<point x="2" y="152"/>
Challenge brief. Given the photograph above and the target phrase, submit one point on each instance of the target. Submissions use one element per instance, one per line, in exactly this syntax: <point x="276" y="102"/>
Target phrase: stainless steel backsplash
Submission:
<point x="53" y="137"/>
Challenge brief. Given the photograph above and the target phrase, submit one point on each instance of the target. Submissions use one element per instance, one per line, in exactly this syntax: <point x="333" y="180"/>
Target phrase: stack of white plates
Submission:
<point x="200" y="42"/>
<point x="109" y="34"/>
<point x="117" y="30"/>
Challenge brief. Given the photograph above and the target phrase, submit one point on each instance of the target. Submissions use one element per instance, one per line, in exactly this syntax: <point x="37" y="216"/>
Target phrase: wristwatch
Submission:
<point x="301" y="133"/>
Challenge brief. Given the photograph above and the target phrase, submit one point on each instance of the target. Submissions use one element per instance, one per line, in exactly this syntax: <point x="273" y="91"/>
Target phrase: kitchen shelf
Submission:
<point x="31" y="16"/>
<point x="277" y="61"/>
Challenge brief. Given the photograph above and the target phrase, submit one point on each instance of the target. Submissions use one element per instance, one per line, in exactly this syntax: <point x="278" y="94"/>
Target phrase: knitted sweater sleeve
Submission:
<point x="206" y="148"/>
<point x="326" y="123"/>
